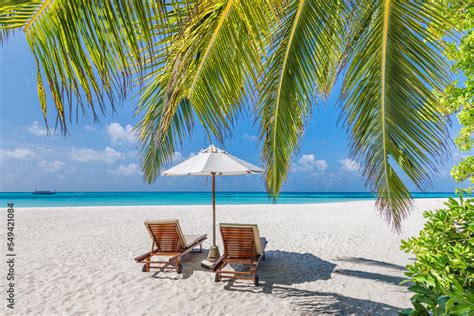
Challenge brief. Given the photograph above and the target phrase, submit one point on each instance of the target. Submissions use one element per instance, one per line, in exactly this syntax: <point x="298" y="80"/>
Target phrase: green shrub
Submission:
<point x="442" y="276"/>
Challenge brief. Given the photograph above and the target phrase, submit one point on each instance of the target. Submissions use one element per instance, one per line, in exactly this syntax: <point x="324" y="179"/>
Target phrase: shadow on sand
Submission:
<point x="190" y="262"/>
<point x="315" y="302"/>
<point x="366" y="261"/>
<point x="372" y="276"/>
<point x="283" y="270"/>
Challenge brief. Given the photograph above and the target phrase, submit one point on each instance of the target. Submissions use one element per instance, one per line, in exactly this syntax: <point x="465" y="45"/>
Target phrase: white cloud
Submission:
<point x="108" y="155"/>
<point x="309" y="163"/>
<point x="132" y="154"/>
<point x="121" y="135"/>
<point x="129" y="170"/>
<point x="89" y="128"/>
<point x="36" y="129"/>
<point x="251" y="138"/>
<point x="177" y="157"/>
<point x="457" y="155"/>
<point x="51" y="166"/>
<point x="349" y="165"/>
<point x="17" y="153"/>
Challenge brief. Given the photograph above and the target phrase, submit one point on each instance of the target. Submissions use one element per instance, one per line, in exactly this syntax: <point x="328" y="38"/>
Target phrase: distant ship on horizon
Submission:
<point x="44" y="192"/>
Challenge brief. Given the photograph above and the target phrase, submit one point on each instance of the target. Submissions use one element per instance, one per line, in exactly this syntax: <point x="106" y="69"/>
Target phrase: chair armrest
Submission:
<point x="143" y="257"/>
<point x="218" y="263"/>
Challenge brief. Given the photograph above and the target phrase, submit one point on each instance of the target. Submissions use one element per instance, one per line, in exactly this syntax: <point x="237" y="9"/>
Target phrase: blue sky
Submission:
<point x="103" y="157"/>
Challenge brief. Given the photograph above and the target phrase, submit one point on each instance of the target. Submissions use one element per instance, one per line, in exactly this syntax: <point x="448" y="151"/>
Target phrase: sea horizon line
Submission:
<point x="263" y="192"/>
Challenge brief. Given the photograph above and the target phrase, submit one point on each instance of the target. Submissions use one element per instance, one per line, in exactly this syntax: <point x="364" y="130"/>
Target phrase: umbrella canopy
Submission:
<point x="212" y="160"/>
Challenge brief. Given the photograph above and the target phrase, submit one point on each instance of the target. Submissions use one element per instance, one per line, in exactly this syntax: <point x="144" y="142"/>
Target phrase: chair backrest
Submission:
<point x="241" y="241"/>
<point x="167" y="235"/>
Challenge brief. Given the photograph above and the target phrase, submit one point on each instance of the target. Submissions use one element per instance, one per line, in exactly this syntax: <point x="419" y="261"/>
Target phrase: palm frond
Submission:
<point x="208" y="65"/>
<point x="388" y="104"/>
<point x="5" y="35"/>
<point x="16" y="14"/>
<point x="304" y="55"/>
<point x="86" y="51"/>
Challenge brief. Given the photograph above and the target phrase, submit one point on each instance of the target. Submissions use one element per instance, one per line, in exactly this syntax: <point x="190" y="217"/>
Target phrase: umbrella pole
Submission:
<point x="214" y="250"/>
<point x="213" y="209"/>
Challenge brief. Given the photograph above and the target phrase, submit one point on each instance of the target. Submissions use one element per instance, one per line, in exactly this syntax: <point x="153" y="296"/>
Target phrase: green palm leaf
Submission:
<point x="15" y="14"/>
<point x="86" y="51"/>
<point x="388" y="104"/>
<point x="205" y="69"/>
<point x="18" y="13"/>
<point x="303" y="61"/>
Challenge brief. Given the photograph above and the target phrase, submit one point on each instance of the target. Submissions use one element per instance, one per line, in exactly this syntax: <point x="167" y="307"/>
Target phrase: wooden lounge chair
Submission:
<point x="242" y="245"/>
<point x="168" y="240"/>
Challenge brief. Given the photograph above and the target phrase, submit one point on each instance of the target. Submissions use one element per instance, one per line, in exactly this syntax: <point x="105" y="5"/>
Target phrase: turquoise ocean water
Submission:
<point x="64" y="199"/>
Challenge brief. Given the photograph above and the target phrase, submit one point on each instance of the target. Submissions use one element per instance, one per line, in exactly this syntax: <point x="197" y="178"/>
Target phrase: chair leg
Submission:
<point x="145" y="268"/>
<point x="255" y="280"/>
<point x="179" y="267"/>
<point x="253" y="271"/>
<point x="217" y="276"/>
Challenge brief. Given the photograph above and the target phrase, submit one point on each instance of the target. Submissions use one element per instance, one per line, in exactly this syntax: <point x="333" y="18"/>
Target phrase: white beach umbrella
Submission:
<point x="213" y="162"/>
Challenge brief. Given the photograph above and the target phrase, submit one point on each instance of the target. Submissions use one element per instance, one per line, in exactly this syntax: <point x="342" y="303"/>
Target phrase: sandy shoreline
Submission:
<point x="321" y="258"/>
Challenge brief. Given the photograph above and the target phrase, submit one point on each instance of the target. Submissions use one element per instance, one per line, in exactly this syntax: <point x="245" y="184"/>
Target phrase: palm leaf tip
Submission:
<point x="388" y="104"/>
<point x="302" y="65"/>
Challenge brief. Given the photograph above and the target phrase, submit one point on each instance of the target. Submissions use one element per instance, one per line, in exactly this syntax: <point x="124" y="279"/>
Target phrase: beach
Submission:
<point x="328" y="258"/>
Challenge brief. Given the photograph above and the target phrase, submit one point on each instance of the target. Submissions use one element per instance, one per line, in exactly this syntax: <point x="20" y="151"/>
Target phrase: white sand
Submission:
<point x="321" y="259"/>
